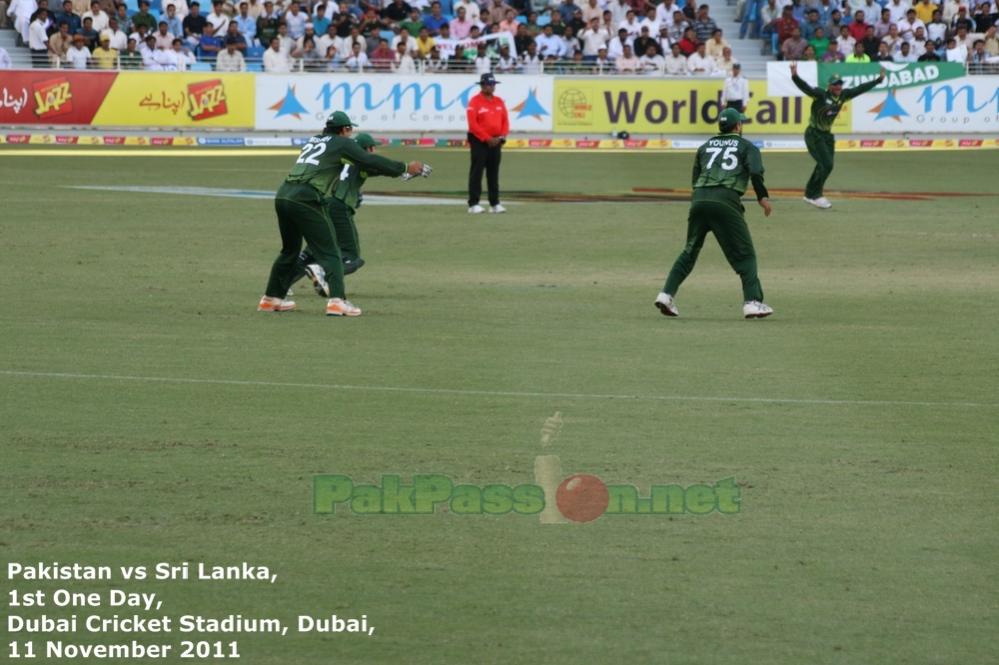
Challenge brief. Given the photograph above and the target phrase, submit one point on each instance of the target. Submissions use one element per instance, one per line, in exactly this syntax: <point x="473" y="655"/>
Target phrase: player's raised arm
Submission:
<point x="800" y="82"/>
<point x="850" y="93"/>
<point x="375" y="164"/>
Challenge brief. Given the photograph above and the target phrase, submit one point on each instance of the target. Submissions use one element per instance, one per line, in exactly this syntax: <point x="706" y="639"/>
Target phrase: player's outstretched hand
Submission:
<point x="765" y="204"/>
<point x="883" y="74"/>
<point x="794" y="69"/>
<point x="414" y="168"/>
<point x="426" y="171"/>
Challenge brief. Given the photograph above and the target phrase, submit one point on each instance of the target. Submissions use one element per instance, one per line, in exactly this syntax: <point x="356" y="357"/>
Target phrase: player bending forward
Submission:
<point x="722" y="168"/>
<point x="302" y="205"/>
<point x="819" y="139"/>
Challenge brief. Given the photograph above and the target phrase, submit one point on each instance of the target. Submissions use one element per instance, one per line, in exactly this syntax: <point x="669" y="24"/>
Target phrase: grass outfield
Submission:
<point x="859" y="420"/>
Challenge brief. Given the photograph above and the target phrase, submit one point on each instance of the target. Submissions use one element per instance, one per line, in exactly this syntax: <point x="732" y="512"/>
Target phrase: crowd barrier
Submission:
<point x="915" y="99"/>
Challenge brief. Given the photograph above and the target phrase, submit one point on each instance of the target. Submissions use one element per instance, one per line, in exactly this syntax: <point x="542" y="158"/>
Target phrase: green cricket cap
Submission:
<point x="835" y="79"/>
<point x="365" y="140"/>
<point x="339" y="119"/>
<point x="729" y="118"/>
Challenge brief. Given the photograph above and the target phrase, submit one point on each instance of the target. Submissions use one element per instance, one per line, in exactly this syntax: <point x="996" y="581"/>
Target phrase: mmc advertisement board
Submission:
<point x="383" y="102"/>
<point x="126" y="99"/>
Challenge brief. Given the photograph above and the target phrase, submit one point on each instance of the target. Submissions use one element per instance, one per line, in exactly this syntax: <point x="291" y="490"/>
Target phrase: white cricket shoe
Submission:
<point x="754" y="309"/>
<point x="664" y="303"/>
<point x="497" y="209"/>
<point x="821" y="202"/>
<point x="476" y="209"/>
<point x="315" y="272"/>
<point x="341" y="307"/>
<point x="269" y="304"/>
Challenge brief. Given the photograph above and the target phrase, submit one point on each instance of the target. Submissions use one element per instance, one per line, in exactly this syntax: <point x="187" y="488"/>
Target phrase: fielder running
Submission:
<point x="826" y="105"/>
<point x="722" y="168"/>
<point x="322" y="170"/>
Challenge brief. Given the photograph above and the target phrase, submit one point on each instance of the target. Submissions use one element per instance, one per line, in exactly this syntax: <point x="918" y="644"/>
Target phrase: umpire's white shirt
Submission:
<point x="736" y="90"/>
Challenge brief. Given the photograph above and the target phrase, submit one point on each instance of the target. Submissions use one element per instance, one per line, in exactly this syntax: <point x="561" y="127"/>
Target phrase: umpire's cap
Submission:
<point x="487" y="79"/>
<point x="729" y="118"/>
<point x="365" y="140"/>
<point x="339" y="119"/>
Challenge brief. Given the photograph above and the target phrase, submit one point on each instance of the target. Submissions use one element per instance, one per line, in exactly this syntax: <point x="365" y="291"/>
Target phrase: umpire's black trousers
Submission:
<point x="488" y="159"/>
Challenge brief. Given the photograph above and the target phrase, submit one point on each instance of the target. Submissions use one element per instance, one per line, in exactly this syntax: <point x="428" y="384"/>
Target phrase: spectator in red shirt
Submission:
<point x="858" y="29"/>
<point x="785" y="25"/>
<point x="488" y="125"/>
<point x="688" y="44"/>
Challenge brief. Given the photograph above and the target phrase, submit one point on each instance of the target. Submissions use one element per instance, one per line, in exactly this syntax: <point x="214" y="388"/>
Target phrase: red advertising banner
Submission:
<point x="52" y="97"/>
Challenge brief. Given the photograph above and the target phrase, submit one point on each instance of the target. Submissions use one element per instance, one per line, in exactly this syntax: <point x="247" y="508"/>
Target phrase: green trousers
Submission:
<point x="342" y="218"/>
<point x="303" y="215"/>
<point x="821" y="146"/>
<point x="732" y="234"/>
<point x="346" y="230"/>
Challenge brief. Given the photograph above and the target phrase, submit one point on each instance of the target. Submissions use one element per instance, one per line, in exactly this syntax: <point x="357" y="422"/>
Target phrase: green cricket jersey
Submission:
<point x="332" y="165"/>
<point x="724" y="166"/>
<point x="825" y="105"/>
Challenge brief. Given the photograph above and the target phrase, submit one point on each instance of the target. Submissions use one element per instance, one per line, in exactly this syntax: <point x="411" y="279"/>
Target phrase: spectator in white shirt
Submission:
<point x="735" y="92"/>
<point x="406" y="40"/>
<point x="650" y="21"/>
<point x="5" y="61"/>
<point x="664" y="13"/>
<point x="483" y="63"/>
<point x="699" y="63"/>
<point x="896" y="10"/>
<point x="631" y="24"/>
<point x="78" y="55"/>
<point x="38" y="40"/>
<point x="550" y="47"/>
<point x="615" y="49"/>
<point x="358" y="59"/>
<point x="594" y="38"/>
<point x="627" y="63"/>
<point x="163" y="37"/>
<point x="472" y="10"/>
<point x="218" y="19"/>
<point x="505" y="63"/>
<point x="184" y="56"/>
<point x="907" y="26"/>
<point x="663" y="39"/>
<point x="651" y="64"/>
<point x="530" y="60"/>
<point x="230" y="60"/>
<point x="119" y="40"/>
<point x="956" y="52"/>
<point x="99" y="17"/>
<point x="676" y="62"/>
<point x="905" y="54"/>
<point x="275" y="59"/>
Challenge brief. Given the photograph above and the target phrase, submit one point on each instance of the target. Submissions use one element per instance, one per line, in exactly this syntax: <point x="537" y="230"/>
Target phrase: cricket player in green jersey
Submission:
<point x="722" y="169"/>
<point x="343" y="224"/>
<point x="819" y="139"/>
<point x="321" y="171"/>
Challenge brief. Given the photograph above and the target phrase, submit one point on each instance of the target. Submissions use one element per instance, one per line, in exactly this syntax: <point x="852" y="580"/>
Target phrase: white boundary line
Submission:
<point x="492" y="393"/>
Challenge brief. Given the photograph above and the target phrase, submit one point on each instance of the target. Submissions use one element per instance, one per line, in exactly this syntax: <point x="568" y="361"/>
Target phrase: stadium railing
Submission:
<point x="21" y="59"/>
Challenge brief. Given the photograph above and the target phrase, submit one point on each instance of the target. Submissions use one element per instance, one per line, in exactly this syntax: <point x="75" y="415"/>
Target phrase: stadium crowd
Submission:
<point x="500" y="36"/>
<point x="875" y="31"/>
<point x="405" y="36"/>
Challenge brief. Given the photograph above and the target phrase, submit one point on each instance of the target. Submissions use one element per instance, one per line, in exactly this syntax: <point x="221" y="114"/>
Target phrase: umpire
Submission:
<point x="488" y="125"/>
